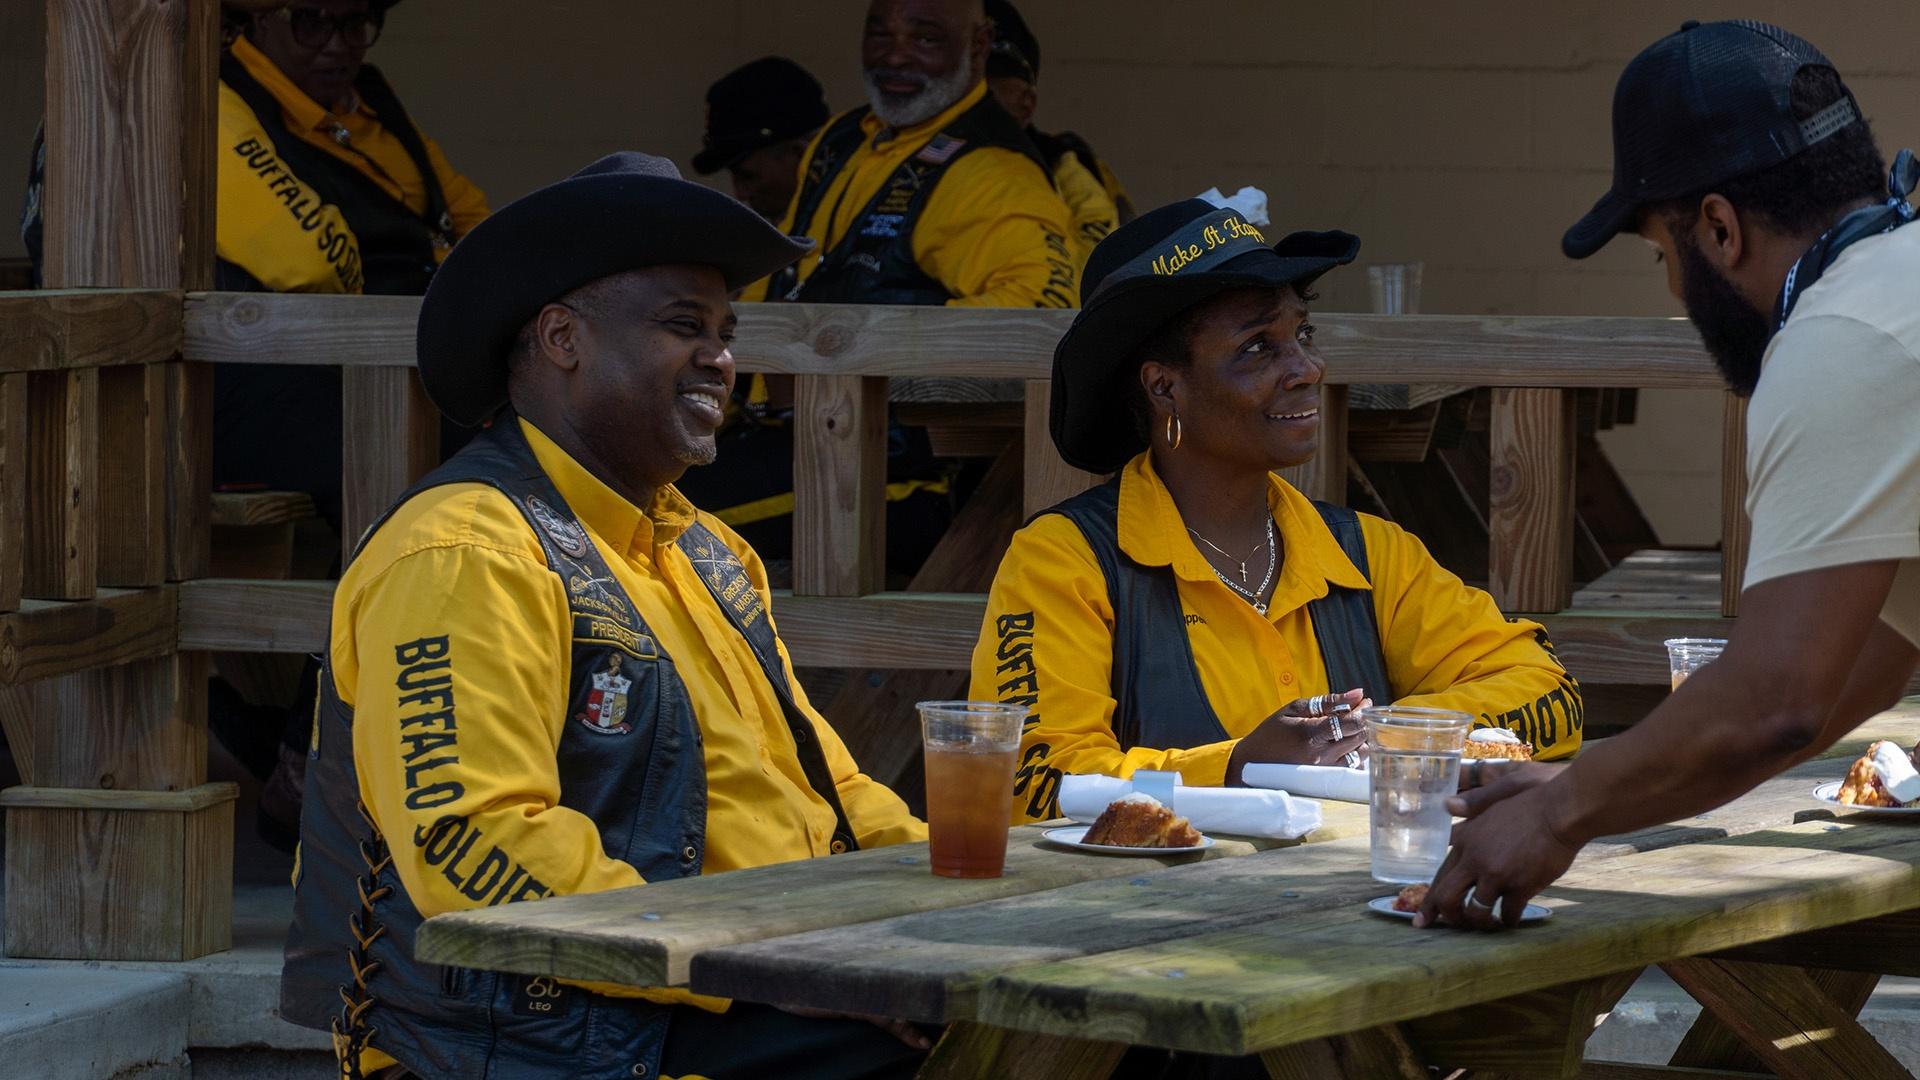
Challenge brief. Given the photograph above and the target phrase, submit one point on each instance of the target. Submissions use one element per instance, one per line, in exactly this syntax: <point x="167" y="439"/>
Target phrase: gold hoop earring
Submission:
<point x="1175" y="431"/>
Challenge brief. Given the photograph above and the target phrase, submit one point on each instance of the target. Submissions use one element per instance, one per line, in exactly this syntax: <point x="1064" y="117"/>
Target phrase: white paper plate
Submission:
<point x="1384" y="905"/>
<point x="1069" y="836"/>
<point x="1829" y="793"/>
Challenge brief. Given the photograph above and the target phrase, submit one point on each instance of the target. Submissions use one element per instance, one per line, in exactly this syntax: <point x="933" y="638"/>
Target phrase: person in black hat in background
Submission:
<point x="1742" y="158"/>
<point x="760" y="117"/>
<point x="1092" y="192"/>
<point x="1192" y="372"/>
<point x="551" y="674"/>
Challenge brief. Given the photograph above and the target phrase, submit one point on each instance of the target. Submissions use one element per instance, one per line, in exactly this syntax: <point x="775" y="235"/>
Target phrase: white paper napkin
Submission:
<point x="1310" y="781"/>
<point x="1233" y="811"/>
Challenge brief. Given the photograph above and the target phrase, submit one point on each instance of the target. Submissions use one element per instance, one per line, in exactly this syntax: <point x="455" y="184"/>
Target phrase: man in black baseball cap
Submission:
<point x="1744" y="161"/>
<point x="760" y="117"/>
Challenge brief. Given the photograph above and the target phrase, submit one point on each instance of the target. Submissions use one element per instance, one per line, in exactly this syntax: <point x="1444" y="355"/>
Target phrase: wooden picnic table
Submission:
<point x="1777" y="914"/>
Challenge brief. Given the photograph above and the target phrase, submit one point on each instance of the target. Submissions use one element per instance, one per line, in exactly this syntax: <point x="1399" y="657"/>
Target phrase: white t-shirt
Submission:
<point x="1833" y="430"/>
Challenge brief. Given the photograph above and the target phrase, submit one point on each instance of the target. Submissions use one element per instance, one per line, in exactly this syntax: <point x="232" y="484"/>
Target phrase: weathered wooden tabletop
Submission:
<point x="1241" y="951"/>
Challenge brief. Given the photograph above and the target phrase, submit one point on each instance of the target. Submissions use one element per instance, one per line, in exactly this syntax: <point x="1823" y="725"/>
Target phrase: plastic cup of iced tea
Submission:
<point x="1686" y="655"/>
<point x="970" y="750"/>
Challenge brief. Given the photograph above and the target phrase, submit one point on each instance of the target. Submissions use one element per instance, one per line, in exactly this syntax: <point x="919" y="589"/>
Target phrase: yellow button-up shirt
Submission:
<point x="460" y="561"/>
<point x="267" y="220"/>
<point x="994" y="231"/>
<point x="1048" y="640"/>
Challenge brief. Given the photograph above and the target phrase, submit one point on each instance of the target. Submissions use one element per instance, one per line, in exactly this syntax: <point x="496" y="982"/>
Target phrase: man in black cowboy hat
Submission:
<point x="1742" y="158"/>
<point x="550" y="674"/>
<point x="1092" y="192"/>
<point x="760" y="117"/>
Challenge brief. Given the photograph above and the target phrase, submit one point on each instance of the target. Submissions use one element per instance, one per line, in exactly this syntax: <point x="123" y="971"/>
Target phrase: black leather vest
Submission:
<point x="873" y="263"/>
<point x="630" y="759"/>
<point x="397" y="246"/>
<point x="1159" y="701"/>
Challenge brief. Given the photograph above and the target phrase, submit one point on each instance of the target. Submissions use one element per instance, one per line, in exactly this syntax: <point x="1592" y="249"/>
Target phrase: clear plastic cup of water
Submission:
<point x="1414" y="766"/>
<point x="1686" y="655"/>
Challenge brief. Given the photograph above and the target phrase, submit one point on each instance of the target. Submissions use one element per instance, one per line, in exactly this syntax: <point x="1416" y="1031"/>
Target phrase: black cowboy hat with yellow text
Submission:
<point x="624" y="212"/>
<point x="1143" y="274"/>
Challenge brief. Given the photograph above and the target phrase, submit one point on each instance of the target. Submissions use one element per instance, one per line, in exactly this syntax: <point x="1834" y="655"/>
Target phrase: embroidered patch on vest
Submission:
<point x="940" y="149"/>
<point x="541" y="996"/>
<point x="606" y="711"/>
<point x="565" y="532"/>
<point x="728" y="579"/>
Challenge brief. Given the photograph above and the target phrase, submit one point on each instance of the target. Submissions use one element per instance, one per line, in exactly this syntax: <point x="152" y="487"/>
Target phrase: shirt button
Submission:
<point x="1286" y="678"/>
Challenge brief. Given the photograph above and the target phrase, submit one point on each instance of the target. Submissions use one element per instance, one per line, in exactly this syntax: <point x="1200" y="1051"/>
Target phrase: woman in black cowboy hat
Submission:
<point x="1197" y="613"/>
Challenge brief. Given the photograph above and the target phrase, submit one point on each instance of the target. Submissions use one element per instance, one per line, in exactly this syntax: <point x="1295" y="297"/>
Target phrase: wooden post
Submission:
<point x="13" y="488"/>
<point x="391" y="438"/>
<point x="1049" y="479"/>
<point x="1531" y="500"/>
<point x="63" y="461"/>
<point x="1734" y="526"/>
<point x="839" y="485"/>
<point x="1325" y="476"/>
<point x="133" y="475"/>
<point x="134" y="860"/>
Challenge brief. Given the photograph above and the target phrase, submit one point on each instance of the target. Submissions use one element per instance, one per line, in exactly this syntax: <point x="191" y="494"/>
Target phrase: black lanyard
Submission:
<point x="1885" y="217"/>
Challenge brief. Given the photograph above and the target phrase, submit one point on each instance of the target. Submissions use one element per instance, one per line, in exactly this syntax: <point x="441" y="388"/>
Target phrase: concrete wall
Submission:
<point x="1467" y="136"/>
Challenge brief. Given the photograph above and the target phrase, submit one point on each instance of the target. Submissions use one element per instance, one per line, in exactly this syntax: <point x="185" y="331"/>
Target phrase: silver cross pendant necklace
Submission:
<point x="1251" y="596"/>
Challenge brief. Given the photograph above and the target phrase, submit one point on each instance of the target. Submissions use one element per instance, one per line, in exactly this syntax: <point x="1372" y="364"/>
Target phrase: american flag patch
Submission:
<point x="940" y="150"/>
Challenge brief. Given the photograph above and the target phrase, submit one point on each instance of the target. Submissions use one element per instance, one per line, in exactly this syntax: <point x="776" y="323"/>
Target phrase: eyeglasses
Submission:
<point x="313" y="28"/>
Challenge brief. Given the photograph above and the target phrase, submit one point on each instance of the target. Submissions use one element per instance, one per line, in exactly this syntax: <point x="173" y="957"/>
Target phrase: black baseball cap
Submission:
<point x="1701" y="106"/>
<point x="757" y="105"/>
<point x="1015" y="51"/>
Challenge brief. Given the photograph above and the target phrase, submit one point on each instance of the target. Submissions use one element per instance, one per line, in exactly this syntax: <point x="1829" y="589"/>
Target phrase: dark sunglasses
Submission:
<point x="312" y="29"/>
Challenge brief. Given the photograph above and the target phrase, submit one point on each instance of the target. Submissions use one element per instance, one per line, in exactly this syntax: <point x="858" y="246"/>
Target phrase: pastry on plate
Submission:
<point x="1884" y="776"/>
<point x="1410" y="898"/>
<point x="1140" y="821"/>
<point x="1495" y="744"/>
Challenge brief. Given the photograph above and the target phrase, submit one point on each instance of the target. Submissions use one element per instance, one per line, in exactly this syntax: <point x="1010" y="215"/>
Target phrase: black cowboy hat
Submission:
<point x="623" y="212"/>
<point x="1143" y="274"/>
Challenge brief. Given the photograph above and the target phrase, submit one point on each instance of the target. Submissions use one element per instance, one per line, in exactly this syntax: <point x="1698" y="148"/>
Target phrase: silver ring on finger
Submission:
<point x="1334" y="723"/>
<point x="1316" y="704"/>
<point x="1353" y="759"/>
<point x="1473" y="901"/>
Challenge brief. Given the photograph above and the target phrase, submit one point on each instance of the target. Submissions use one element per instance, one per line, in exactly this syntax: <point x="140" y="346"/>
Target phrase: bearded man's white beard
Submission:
<point x="934" y="96"/>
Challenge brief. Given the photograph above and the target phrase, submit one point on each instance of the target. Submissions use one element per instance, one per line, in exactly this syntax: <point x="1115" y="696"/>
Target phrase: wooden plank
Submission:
<point x="235" y="509"/>
<point x="1889" y="945"/>
<point x="1619" y="1070"/>
<point x="929" y="966"/>
<point x="391" y="437"/>
<point x="178" y="802"/>
<point x="1047" y="478"/>
<point x="1245" y="990"/>
<point x="63" y="463"/>
<point x="47" y="638"/>
<point x="1735" y="529"/>
<point x="1791" y="1026"/>
<point x="16" y="727"/>
<point x="976" y="1052"/>
<point x="131" y="726"/>
<point x="887" y="630"/>
<point x="1391" y="435"/>
<point x="189" y="469"/>
<point x="132" y="494"/>
<point x="659" y="930"/>
<point x="1324" y="477"/>
<point x="853" y="339"/>
<point x="1380" y="1052"/>
<point x="13" y="489"/>
<point x="839" y="485"/>
<point x="1711" y="1043"/>
<point x="58" y="329"/>
<point x="130" y="114"/>
<point x="207" y="878"/>
<point x="1543" y="1033"/>
<point x="1531" y="500"/>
